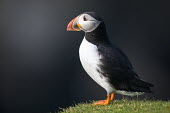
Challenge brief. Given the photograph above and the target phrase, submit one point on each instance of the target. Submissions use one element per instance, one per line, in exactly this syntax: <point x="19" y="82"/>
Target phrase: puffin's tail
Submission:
<point x="138" y="85"/>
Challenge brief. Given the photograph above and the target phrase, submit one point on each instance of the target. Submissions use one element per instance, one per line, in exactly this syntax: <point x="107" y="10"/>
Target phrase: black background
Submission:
<point x="39" y="60"/>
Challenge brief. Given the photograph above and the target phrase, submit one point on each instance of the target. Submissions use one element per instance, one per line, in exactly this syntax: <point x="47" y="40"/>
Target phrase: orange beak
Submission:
<point x="72" y="26"/>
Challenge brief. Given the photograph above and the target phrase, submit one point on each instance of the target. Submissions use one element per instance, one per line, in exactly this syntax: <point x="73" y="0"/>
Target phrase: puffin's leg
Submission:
<point x="104" y="102"/>
<point x="112" y="96"/>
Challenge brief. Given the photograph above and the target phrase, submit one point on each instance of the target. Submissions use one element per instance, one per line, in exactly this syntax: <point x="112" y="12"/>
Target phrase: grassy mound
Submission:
<point x="122" y="106"/>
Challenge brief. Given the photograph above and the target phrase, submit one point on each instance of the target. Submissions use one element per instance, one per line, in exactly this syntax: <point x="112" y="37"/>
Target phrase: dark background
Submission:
<point x="39" y="63"/>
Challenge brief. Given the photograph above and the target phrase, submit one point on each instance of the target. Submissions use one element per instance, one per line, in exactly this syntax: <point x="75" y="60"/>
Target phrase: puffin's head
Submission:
<point x="86" y="22"/>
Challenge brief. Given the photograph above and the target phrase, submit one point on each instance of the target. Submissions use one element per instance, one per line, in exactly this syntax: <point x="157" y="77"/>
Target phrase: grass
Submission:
<point x="122" y="106"/>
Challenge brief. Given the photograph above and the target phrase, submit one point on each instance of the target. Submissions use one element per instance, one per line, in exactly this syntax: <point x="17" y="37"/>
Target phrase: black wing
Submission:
<point x="117" y="67"/>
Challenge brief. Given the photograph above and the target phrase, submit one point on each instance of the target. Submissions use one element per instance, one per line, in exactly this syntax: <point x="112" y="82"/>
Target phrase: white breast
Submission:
<point x="90" y="59"/>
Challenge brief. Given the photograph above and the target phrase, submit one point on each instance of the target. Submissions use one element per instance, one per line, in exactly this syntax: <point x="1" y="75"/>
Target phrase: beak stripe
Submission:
<point x="73" y="26"/>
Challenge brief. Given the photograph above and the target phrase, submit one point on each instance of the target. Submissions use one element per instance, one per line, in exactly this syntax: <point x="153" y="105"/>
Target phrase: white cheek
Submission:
<point x="89" y="26"/>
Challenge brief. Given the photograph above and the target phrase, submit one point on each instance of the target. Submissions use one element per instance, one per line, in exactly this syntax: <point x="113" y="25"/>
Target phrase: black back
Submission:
<point x="115" y="65"/>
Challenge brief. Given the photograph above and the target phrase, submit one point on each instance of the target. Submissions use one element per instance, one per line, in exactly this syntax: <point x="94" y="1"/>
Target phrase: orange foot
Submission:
<point x="110" y="97"/>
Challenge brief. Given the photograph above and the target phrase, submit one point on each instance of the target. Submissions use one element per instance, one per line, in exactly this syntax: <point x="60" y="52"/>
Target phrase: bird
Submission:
<point x="104" y="62"/>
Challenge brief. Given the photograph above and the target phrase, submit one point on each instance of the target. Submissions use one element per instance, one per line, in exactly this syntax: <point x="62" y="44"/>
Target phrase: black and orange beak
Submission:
<point x="73" y="25"/>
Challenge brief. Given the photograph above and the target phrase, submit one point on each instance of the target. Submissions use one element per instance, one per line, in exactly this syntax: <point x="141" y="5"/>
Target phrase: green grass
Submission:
<point x="122" y="106"/>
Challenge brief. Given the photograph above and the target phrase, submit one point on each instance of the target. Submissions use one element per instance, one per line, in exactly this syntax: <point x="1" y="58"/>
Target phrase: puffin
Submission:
<point x="104" y="62"/>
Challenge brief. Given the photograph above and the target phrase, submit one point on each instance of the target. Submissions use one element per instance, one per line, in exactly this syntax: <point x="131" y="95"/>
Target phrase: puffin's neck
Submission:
<point x="97" y="36"/>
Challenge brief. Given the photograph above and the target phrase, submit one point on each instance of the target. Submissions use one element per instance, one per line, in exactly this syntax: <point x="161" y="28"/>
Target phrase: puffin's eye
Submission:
<point x="84" y="18"/>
